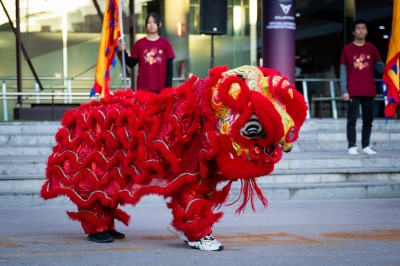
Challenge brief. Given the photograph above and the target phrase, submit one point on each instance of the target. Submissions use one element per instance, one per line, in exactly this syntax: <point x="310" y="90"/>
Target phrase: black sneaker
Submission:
<point x="102" y="237"/>
<point x="117" y="235"/>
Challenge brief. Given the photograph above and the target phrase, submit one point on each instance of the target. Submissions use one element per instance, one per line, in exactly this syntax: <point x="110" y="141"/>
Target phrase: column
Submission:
<point x="279" y="36"/>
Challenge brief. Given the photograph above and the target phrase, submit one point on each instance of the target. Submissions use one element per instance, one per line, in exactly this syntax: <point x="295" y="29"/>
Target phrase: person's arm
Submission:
<point x="168" y="81"/>
<point x="343" y="82"/>
<point x="129" y="61"/>
<point x="380" y="67"/>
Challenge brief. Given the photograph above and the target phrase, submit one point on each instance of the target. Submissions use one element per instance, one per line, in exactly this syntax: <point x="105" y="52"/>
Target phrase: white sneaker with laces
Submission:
<point x="353" y="150"/>
<point x="207" y="243"/>
<point x="369" y="151"/>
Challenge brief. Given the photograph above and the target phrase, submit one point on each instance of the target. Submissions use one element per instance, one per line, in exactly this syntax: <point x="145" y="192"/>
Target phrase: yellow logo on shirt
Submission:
<point x="361" y="61"/>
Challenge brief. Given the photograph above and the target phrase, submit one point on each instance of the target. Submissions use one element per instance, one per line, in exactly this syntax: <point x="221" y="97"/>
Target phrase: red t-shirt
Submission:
<point x="152" y="57"/>
<point x="360" y="61"/>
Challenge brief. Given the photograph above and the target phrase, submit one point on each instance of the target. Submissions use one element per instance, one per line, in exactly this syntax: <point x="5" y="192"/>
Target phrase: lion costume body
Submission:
<point x="180" y="144"/>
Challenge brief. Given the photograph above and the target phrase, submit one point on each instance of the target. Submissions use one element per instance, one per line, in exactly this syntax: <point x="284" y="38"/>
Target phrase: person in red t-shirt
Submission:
<point x="154" y="55"/>
<point x="358" y="61"/>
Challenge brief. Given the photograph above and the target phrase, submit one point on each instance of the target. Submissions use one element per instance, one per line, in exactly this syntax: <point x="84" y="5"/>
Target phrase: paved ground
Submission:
<point x="332" y="232"/>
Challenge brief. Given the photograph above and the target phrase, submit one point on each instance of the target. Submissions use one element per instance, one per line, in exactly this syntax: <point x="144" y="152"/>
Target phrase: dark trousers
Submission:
<point x="367" y="111"/>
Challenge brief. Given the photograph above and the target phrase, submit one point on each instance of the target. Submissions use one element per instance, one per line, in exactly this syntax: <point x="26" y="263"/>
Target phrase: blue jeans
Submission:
<point x="367" y="111"/>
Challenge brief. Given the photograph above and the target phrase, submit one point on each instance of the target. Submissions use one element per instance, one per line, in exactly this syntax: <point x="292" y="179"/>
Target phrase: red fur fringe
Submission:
<point x="248" y="187"/>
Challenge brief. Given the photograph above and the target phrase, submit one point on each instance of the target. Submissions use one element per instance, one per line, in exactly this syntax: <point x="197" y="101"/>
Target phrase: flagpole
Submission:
<point x="123" y="42"/>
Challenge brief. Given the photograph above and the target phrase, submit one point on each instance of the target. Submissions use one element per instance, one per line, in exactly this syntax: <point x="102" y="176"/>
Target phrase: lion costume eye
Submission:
<point x="252" y="128"/>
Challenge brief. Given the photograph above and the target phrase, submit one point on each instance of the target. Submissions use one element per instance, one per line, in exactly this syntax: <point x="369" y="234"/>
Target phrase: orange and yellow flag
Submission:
<point x="391" y="73"/>
<point x="110" y="33"/>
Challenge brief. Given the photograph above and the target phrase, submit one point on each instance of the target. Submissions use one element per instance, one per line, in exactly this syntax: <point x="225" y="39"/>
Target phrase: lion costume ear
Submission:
<point x="297" y="105"/>
<point x="217" y="71"/>
<point x="293" y="100"/>
<point x="234" y="93"/>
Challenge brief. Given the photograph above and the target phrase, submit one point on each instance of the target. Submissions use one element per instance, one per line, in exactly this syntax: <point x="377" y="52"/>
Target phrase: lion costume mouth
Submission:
<point x="268" y="154"/>
<point x="237" y="162"/>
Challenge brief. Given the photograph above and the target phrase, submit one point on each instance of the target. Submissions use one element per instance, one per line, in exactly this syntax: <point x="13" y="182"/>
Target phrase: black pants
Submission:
<point x="367" y="110"/>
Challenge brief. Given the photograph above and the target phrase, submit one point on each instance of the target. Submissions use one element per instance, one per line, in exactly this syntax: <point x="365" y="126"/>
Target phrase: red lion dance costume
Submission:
<point x="180" y="144"/>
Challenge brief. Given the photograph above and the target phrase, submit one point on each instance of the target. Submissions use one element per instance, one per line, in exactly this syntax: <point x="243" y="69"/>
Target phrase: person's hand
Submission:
<point x="345" y="96"/>
<point x="121" y="46"/>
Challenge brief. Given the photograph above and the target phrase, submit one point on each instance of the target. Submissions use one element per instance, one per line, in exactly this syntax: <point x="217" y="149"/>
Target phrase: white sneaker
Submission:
<point x="207" y="243"/>
<point x="353" y="150"/>
<point x="369" y="151"/>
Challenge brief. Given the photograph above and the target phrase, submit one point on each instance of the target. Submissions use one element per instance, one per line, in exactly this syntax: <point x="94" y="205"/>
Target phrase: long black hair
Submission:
<point x="156" y="17"/>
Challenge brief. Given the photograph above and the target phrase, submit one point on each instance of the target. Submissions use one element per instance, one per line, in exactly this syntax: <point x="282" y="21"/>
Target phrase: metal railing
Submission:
<point x="329" y="93"/>
<point x="332" y="95"/>
<point x="59" y="91"/>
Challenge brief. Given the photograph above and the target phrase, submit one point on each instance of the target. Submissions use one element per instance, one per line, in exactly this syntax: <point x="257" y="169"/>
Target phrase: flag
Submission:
<point x="110" y="33"/>
<point x="391" y="73"/>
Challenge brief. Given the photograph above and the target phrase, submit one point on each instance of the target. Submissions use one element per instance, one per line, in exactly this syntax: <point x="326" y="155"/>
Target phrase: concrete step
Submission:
<point x="336" y="160"/>
<point x="316" y="136"/>
<point x="330" y="135"/>
<point x="339" y="125"/>
<point x="27" y="138"/>
<point x="316" y="125"/>
<point x="25" y="150"/>
<point x="21" y="182"/>
<point x="310" y="125"/>
<point x="10" y="141"/>
<point x="307" y="146"/>
<point x="321" y="191"/>
<point x="309" y="191"/>
<point x="300" y="146"/>
<point x="30" y="198"/>
<point x="37" y="138"/>
<point x="23" y="165"/>
<point x="296" y="161"/>
<point x="39" y="128"/>
<point x="278" y="177"/>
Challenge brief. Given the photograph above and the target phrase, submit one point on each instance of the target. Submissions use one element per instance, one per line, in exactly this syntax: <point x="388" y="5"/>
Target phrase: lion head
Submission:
<point x="258" y="114"/>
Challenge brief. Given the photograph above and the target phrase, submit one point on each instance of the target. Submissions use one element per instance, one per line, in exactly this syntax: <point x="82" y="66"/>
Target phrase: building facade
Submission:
<point x="61" y="37"/>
